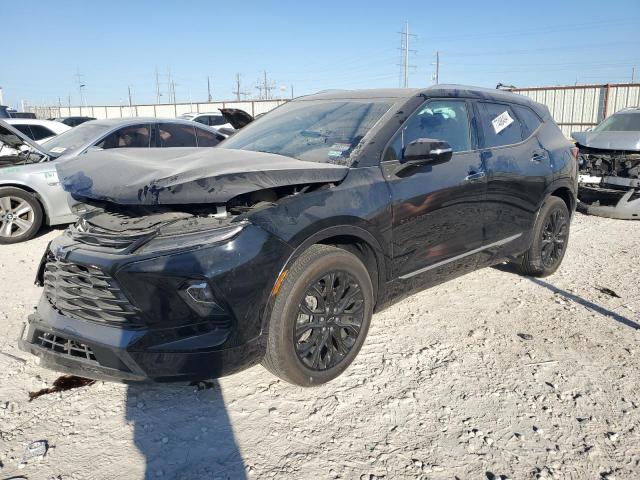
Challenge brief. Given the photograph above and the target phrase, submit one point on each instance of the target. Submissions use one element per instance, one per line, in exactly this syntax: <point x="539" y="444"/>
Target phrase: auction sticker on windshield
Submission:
<point x="501" y="122"/>
<point x="337" y="149"/>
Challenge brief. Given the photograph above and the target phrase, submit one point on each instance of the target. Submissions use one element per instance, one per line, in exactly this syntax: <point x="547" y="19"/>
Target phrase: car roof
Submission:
<point x="29" y="121"/>
<point x="115" y="122"/>
<point x="441" y="90"/>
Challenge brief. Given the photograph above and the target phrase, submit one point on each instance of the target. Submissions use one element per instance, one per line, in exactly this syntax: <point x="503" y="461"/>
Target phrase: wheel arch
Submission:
<point x="39" y="198"/>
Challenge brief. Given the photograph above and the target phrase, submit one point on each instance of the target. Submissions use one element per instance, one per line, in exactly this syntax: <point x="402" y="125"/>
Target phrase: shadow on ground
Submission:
<point x="183" y="432"/>
<point x="506" y="267"/>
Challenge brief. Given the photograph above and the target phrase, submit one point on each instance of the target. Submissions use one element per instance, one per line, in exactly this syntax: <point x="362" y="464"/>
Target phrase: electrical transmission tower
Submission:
<point x="405" y="50"/>
<point x="238" y="91"/>
<point x="265" y="87"/>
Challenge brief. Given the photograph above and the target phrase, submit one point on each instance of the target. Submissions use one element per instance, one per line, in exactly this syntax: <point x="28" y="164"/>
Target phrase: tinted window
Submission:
<point x="25" y="130"/>
<point x="446" y="120"/>
<point x="174" y="135"/>
<point x="40" y="132"/>
<point x="134" y="136"/>
<point x="204" y="120"/>
<point x="217" y="120"/>
<point x="499" y="125"/>
<point x="207" y="138"/>
<point x="530" y="121"/>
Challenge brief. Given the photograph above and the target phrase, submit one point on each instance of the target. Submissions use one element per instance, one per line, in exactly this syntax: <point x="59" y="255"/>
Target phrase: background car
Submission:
<point x="226" y="122"/>
<point x="38" y="130"/>
<point x="73" y="121"/>
<point x="610" y="166"/>
<point x="30" y="193"/>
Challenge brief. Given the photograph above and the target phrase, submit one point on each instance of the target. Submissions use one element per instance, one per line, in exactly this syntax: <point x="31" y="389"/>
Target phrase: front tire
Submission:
<point x="20" y="215"/>
<point x="550" y="239"/>
<point x="320" y="317"/>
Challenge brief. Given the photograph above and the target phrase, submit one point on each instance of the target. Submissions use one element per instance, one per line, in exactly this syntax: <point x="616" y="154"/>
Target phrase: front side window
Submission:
<point x="499" y="125"/>
<point x="446" y="120"/>
<point x="176" y="135"/>
<point x="325" y="131"/>
<point x="133" y="136"/>
<point x="620" y="122"/>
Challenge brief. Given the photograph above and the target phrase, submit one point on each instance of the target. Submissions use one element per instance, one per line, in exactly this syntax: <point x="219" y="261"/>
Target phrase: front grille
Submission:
<point x="100" y="237"/>
<point x="65" y="346"/>
<point x="85" y="293"/>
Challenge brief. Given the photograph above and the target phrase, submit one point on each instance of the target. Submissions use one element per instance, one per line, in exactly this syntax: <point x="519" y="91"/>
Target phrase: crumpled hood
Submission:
<point x="609" y="140"/>
<point x="173" y="176"/>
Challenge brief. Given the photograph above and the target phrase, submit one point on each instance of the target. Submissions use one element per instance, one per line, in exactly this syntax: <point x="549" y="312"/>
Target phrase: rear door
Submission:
<point x="438" y="209"/>
<point x="517" y="171"/>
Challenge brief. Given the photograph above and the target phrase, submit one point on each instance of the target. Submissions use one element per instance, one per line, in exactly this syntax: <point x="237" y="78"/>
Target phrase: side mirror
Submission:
<point x="427" y="150"/>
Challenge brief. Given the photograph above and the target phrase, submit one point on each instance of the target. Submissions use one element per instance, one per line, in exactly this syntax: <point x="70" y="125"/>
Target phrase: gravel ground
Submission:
<point x="492" y="375"/>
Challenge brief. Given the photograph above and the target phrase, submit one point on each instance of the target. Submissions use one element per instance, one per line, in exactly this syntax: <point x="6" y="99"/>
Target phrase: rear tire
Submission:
<point x="320" y="317"/>
<point x="20" y="215"/>
<point x="550" y="240"/>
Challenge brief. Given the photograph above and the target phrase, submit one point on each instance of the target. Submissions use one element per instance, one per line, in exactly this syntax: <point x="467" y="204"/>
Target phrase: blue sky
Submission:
<point x="311" y="45"/>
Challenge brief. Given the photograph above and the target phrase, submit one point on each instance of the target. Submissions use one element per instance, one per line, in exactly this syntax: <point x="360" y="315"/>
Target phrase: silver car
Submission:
<point x="30" y="192"/>
<point x="610" y="166"/>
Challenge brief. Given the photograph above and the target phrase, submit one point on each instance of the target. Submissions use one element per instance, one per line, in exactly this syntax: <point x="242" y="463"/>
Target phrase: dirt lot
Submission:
<point x="492" y="375"/>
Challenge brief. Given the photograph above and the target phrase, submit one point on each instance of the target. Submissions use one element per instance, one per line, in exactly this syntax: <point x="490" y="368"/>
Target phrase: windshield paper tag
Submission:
<point x="58" y="149"/>
<point x="501" y="122"/>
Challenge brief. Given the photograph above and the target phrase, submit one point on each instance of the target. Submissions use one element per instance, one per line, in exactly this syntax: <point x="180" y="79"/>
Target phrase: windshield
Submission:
<point x="316" y="130"/>
<point x="620" y="122"/>
<point x="76" y="137"/>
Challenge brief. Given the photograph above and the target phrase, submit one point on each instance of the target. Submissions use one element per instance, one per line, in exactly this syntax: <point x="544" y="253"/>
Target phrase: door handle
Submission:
<point x="539" y="156"/>
<point x="472" y="177"/>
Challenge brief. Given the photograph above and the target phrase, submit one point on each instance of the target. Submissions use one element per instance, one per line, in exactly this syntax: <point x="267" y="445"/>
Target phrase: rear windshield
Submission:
<point x="620" y="122"/>
<point x="76" y="137"/>
<point x="325" y="131"/>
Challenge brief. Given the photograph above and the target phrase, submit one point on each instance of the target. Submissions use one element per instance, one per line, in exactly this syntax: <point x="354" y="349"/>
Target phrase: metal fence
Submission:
<point x="254" y="107"/>
<point x="575" y="107"/>
<point x="579" y="107"/>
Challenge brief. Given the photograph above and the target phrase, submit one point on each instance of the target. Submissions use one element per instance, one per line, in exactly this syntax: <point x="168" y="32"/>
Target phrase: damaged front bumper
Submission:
<point x="611" y="197"/>
<point x="169" y="316"/>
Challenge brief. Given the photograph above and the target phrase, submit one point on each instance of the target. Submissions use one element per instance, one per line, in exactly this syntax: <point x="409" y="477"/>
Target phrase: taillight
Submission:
<point x="574" y="152"/>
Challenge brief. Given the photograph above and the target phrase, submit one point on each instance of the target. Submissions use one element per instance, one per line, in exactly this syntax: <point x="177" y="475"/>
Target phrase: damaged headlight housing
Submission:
<point x="174" y="241"/>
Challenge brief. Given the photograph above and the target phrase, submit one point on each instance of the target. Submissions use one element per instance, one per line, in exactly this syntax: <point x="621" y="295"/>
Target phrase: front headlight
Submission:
<point x="195" y="238"/>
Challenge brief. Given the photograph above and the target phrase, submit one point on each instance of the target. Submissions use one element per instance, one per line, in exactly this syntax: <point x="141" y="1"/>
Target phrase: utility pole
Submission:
<point x="404" y="47"/>
<point x="209" y="90"/>
<point x="130" y="101"/>
<point x="291" y="92"/>
<point x="238" y="91"/>
<point x="81" y="85"/>
<point x="633" y="74"/>
<point x="158" y="94"/>
<point x="437" y="67"/>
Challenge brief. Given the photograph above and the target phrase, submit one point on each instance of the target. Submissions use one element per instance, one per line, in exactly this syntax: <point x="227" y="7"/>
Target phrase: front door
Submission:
<point x="437" y="208"/>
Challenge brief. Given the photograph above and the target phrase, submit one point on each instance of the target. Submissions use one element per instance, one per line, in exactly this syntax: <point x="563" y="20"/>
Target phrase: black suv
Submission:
<point x="279" y="245"/>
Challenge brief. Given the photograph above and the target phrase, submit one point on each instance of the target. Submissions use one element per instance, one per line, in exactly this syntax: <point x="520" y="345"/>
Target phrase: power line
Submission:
<point x="265" y="87"/>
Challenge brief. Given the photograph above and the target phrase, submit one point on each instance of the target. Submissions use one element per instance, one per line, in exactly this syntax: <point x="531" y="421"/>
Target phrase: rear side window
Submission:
<point x="530" y="121"/>
<point x="207" y="138"/>
<point x="40" y="132"/>
<point x="24" y="129"/>
<point x="217" y="120"/>
<point x="499" y="125"/>
<point x="174" y="135"/>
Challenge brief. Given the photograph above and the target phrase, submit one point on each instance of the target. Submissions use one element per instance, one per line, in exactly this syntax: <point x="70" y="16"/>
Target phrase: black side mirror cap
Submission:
<point x="427" y="150"/>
